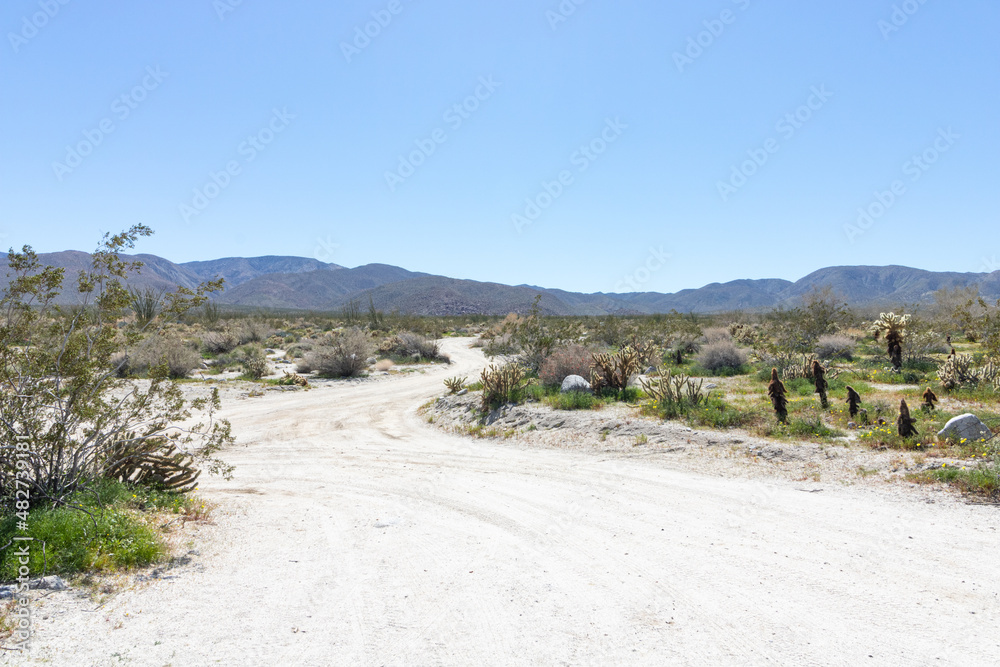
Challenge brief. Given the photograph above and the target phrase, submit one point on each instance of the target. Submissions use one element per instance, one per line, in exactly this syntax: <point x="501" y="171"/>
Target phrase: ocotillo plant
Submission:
<point x="819" y="379"/>
<point x="930" y="398"/>
<point x="853" y="401"/>
<point x="904" y="423"/>
<point x="776" y="392"/>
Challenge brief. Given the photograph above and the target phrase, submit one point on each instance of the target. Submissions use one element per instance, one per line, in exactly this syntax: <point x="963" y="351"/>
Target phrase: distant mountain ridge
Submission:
<point x="307" y="284"/>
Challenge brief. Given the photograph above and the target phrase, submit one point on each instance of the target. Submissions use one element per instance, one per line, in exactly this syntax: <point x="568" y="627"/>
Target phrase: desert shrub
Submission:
<point x="250" y="331"/>
<point x="179" y="357"/>
<point x="254" y="362"/>
<point x="835" y="346"/>
<point x="920" y="345"/>
<point x="564" y="361"/>
<point x="299" y="350"/>
<point x="219" y="342"/>
<point x="415" y="345"/>
<point x="720" y="355"/>
<point x="717" y="334"/>
<point x="345" y="356"/>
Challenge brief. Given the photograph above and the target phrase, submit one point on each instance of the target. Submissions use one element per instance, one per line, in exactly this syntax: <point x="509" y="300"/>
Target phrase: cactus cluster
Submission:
<point x="668" y="388"/>
<point x="959" y="370"/>
<point x="141" y="460"/>
<point x="502" y="384"/>
<point x="614" y="370"/>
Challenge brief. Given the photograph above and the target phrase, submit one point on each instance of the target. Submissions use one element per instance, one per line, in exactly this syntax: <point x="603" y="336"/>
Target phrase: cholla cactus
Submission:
<point x="904" y="423"/>
<point x="776" y="392"/>
<point x="614" y="370"/>
<point x="819" y="380"/>
<point x="667" y="388"/>
<point x="958" y="371"/>
<point x="502" y="384"/>
<point x="893" y="329"/>
<point x="455" y="384"/>
<point x="853" y="401"/>
<point x="930" y="398"/>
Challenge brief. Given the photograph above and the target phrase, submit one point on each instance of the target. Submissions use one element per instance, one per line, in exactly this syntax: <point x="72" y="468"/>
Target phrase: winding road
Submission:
<point x="355" y="533"/>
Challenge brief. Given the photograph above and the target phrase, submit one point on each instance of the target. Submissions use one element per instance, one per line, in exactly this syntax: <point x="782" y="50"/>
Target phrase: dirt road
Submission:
<point x="357" y="534"/>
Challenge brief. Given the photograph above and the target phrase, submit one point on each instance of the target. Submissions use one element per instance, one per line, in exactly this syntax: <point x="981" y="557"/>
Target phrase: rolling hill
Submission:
<point x="308" y="284"/>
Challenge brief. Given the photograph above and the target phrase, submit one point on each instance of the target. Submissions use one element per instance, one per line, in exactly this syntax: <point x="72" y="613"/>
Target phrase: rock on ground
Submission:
<point x="574" y="383"/>
<point x="967" y="426"/>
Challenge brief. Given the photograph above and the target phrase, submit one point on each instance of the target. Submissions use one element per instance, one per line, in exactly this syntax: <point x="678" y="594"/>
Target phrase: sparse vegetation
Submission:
<point x="345" y="355"/>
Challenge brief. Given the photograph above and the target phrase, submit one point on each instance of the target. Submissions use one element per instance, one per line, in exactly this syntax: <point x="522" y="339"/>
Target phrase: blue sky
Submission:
<point x="593" y="147"/>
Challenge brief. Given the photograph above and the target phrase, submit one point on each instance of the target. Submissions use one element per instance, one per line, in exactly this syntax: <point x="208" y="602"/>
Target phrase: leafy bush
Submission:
<point x="60" y="399"/>
<point x="835" y="346"/>
<point x="565" y="361"/>
<point x="721" y="355"/>
<point x="345" y="356"/>
<point x="179" y="357"/>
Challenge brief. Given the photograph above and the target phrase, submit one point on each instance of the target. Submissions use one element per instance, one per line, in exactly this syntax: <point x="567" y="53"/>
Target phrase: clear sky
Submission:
<point x="568" y="145"/>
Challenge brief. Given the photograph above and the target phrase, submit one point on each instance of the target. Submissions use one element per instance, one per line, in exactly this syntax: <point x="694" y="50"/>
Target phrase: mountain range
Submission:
<point x="299" y="283"/>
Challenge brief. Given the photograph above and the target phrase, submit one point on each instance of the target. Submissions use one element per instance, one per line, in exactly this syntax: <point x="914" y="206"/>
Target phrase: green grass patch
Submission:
<point x="981" y="480"/>
<point x="113" y="533"/>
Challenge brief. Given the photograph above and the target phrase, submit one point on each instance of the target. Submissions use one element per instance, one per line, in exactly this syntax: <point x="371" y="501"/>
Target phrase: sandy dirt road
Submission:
<point x="357" y="534"/>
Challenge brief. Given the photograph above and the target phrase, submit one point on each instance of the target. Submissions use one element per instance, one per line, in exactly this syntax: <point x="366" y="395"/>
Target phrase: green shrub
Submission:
<point x="574" y="400"/>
